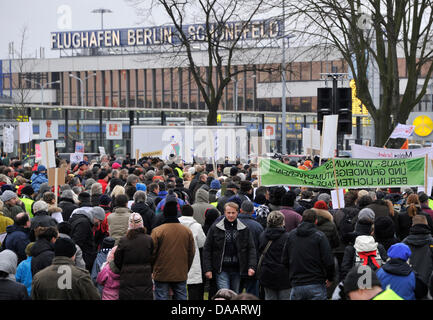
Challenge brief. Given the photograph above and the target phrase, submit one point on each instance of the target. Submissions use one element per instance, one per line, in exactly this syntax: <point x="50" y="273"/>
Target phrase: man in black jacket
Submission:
<point x="67" y="204"/>
<point x="17" y="237"/>
<point x="420" y="242"/>
<point x="229" y="250"/>
<point x="82" y="222"/>
<point x="41" y="218"/>
<point x="309" y="258"/>
<point x="231" y="190"/>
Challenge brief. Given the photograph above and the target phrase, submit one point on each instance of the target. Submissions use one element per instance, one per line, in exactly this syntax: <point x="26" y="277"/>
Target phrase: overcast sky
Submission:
<point x="41" y="18"/>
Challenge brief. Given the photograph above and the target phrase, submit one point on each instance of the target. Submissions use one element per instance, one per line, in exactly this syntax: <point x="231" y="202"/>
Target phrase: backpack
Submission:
<point x="371" y="259"/>
<point x="347" y="226"/>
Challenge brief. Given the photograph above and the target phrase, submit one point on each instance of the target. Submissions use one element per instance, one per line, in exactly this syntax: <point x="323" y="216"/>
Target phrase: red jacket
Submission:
<point x="104" y="185"/>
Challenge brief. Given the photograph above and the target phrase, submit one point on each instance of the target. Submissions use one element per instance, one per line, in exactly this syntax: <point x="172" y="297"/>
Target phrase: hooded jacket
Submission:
<point x="195" y="273"/>
<point x="17" y="239"/>
<point x="9" y="288"/>
<point x="325" y="223"/>
<point x="213" y="252"/>
<point x="37" y="180"/>
<point x="398" y="274"/>
<point x="68" y="206"/>
<point x="420" y="242"/>
<point x="110" y="281"/>
<point x="41" y="219"/>
<point x="118" y="223"/>
<point x="271" y="263"/>
<point x="291" y="218"/>
<point x="42" y="255"/>
<point x="82" y="233"/>
<point x="308" y="256"/>
<point x="200" y="205"/>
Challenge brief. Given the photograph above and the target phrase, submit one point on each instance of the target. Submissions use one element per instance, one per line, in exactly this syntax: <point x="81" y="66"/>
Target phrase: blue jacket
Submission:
<point x="24" y="274"/>
<point x="17" y="239"/>
<point x="37" y="180"/>
<point x="101" y="257"/>
<point x="255" y="227"/>
<point x="399" y="276"/>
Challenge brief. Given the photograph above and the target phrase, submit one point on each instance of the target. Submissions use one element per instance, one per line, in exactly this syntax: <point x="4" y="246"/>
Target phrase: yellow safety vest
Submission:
<point x="28" y="204"/>
<point x="388" y="294"/>
<point x="180" y="172"/>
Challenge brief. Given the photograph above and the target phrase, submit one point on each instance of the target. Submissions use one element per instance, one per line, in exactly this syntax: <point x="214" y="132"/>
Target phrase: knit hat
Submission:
<point x="8" y="195"/>
<point x="366" y="214"/>
<point x="6" y="187"/>
<point x="108" y="243"/>
<point x="399" y="251"/>
<point x="40" y="206"/>
<point x="84" y="196"/>
<point x="83" y="163"/>
<point x="104" y="200"/>
<point x="226" y="171"/>
<point x="135" y="221"/>
<point x="140" y="187"/>
<point x="324" y="197"/>
<point x="384" y="227"/>
<point x="64" y="247"/>
<point x="116" y="165"/>
<point x="215" y="184"/>
<point x="275" y="219"/>
<point x="356" y="279"/>
<point x="242" y="176"/>
<point x="41" y="168"/>
<point x="68" y="194"/>
<point x="233" y="171"/>
<point x="321" y="205"/>
<point x="98" y="213"/>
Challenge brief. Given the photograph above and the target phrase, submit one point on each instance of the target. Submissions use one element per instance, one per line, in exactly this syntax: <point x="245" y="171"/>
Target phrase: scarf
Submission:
<point x="366" y="254"/>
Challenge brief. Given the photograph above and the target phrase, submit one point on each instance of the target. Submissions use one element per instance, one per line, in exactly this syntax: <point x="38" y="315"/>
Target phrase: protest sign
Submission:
<point x="48" y="129"/>
<point x="48" y="157"/>
<point x="8" y="139"/>
<point x="337" y="198"/>
<point x="364" y="152"/>
<point x="76" y="157"/>
<point x="329" y="136"/>
<point x="347" y="173"/>
<point x="79" y="147"/>
<point x="310" y="140"/>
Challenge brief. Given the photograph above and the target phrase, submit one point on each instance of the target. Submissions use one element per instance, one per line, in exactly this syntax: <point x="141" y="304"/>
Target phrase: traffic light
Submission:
<point x="344" y="110"/>
<point x="324" y="105"/>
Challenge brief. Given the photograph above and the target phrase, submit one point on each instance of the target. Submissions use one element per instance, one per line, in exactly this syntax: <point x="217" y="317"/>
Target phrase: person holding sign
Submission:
<point x="39" y="177"/>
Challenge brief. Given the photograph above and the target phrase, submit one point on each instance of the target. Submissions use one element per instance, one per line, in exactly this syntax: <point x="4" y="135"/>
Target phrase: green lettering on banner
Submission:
<point x="352" y="173"/>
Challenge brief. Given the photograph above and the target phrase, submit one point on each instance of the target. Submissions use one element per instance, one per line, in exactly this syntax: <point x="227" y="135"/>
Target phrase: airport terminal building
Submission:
<point x="87" y="88"/>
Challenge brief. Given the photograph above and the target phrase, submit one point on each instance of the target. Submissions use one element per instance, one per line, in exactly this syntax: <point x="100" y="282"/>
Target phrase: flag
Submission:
<point x="402" y="131"/>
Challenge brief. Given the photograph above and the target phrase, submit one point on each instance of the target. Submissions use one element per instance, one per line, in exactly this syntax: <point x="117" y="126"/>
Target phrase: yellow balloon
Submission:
<point x="423" y="126"/>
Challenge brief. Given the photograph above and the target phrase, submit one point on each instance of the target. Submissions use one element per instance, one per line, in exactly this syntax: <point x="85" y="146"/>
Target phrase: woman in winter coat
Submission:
<point x="325" y="223"/>
<point x="95" y="193"/>
<point x="67" y="204"/>
<point x="275" y="287"/>
<point x="411" y="209"/>
<point x="109" y="278"/>
<point x="133" y="258"/>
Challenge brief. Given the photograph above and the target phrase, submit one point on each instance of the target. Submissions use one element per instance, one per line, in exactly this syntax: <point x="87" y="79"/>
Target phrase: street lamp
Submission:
<point x="82" y="98"/>
<point x="102" y="11"/>
<point x="82" y="85"/>
<point x="42" y="86"/>
<point x="236" y="91"/>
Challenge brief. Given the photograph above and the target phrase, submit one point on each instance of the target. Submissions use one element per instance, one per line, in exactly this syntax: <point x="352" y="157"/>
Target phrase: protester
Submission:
<point x="194" y="283"/>
<point x="410" y="210"/>
<point x="67" y="204"/>
<point x="229" y="251"/>
<point x="101" y="258"/>
<point x="118" y="220"/>
<point x="271" y="246"/>
<point x="291" y="218"/>
<point x="140" y="206"/>
<point x="420" y="242"/>
<point x="18" y="236"/>
<point x="109" y="278"/>
<point x="11" y="204"/>
<point x="200" y="205"/>
<point x="356" y="288"/>
<point x="309" y="259"/>
<point x="133" y="258"/>
<point x="39" y="177"/>
<point x="10" y="289"/>
<point x="65" y="230"/>
<point x="398" y="275"/>
<point x="46" y="282"/>
<point x="24" y="270"/>
<point x="173" y="255"/>
<point x="384" y="231"/>
<point x="43" y="249"/>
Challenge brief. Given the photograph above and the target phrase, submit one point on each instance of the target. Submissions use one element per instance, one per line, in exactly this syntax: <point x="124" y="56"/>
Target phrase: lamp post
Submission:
<point x="42" y="86"/>
<point x="82" y="98"/>
<point x="102" y="11"/>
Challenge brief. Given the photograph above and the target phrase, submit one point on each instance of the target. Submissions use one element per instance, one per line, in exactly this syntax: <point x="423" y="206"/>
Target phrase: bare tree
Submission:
<point x="375" y="33"/>
<point x="221" y="53"/>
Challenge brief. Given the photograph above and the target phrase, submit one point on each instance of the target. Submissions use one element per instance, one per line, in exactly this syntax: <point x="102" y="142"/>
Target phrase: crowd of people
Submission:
<point x="161" y="230"/>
